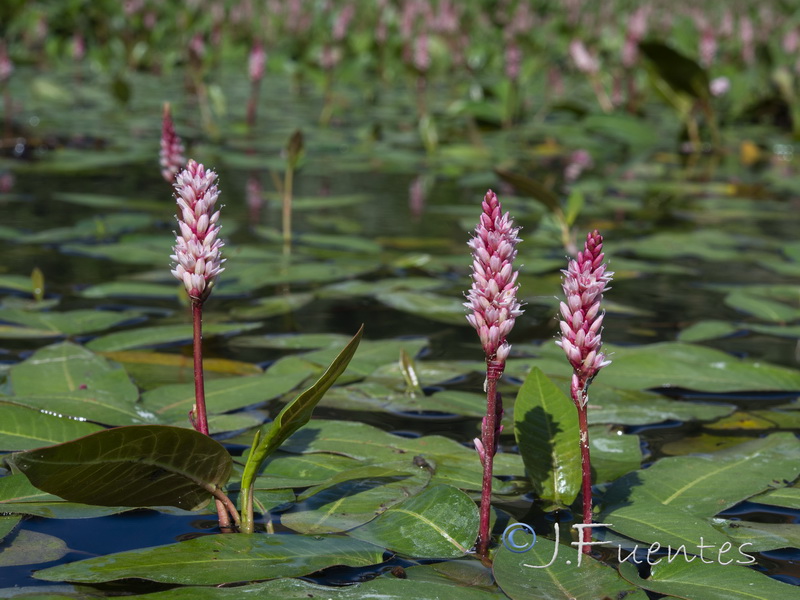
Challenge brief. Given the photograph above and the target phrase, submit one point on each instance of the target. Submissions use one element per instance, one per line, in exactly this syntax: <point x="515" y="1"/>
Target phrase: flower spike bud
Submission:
<point x="197" y="251"/>
<point x="492" y="299"/>
<point x="585" y="281"/>
<point x="171" y="153"/>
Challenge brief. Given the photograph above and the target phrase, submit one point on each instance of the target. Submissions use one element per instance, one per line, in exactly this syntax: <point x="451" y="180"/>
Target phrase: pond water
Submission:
<point x="692" y="239"/>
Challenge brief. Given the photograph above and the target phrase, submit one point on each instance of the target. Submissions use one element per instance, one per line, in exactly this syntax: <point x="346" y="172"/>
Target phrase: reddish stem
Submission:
<point x="200" y="421"/>
<point x="586" y="476"/>
<point x="489" y="440"/>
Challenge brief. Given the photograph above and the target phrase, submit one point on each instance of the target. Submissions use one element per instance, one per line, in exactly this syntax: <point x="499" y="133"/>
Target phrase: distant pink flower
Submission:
<point x="492" y="298"/>
<point x="791" y="41"/>
<point x="585" y="62"/>
<point x="6" y="66"/>
<point x="78" y="47"/>
<point x="256" y="62"/>
<point x="578" y="162"/>
<point x="342" y="22"/>
<point x="585" y="280"/>
<point x="719" y="86"/>
<point x="198" y="247"/>
<point x="513" y="56"/>
<point x="422" y="58"/>
<point x="708" y="46"/>
<point x="747" y="36"/>
<point x="171" y="154"/>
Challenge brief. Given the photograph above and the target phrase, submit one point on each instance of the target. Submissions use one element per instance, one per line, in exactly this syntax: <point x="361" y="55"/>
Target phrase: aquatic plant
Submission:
<point x="492" y="300"/>
<point x="585" y="281"/>
<point x="171" y="154"/>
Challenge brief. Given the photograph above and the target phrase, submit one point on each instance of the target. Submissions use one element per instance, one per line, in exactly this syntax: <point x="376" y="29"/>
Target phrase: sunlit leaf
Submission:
<point x="225" y="559"/>
<point x="143" y="337"/>
<point x="546" y="430"/>
<point x="22" y="428"/>
<point x="441" y="522"/>
<point x="711" y="580"/>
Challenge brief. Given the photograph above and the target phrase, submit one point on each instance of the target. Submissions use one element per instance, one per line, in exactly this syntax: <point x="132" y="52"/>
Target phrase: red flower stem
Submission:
<point x="586" y="474"/>
<point x="200" y="419"/>
<point x="489" y="441"/>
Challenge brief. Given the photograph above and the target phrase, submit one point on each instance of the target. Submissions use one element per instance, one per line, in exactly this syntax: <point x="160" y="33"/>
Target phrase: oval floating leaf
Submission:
<point x="441" y="522"/>
<point x="224" y="559"/>
<point x="23" y="428"/>
<point x="143" y="337"/>
<point x="524" y="575"/>
<point x="140" y="465"/>
<point x="701" y="581"/>
<point x="30" y="548"/>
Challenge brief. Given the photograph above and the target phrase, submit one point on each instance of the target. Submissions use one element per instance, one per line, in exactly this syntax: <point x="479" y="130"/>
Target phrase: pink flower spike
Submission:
<point x="197" y="250"/>
<point x="492" y="297"/>
<point x="585" y="281"/>
<point x="171" y="153"/>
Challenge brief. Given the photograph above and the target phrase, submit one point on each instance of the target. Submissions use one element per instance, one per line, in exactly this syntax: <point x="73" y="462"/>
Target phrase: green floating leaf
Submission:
<point x="356" y="501"/>
<point x="173" y="402"/>
<point x="707" y="484"/>
<point x="91" y="405"/>
<point x="7" y="524"/>
<point x="291" y="418"/>
<point x="707" y="330"/>
<point x="248" y="277"/>
<point x="444" y="309"/>
<point x="694" y="367"/>
<point x="441" y="522"/>
<point x="67" y="368"/>
<point x="31" y="548"/>
<point x="761" y="537"/>
<point x="224" y="559"/>
<point x="303" y="341"/>
<point x="676" y="530"/>
<point x="383" y="588"/>
<point x="758" y="419"/>
<point x="788" y="497"/>
<point x="546" y="430"/>
<point x="143" y="337"/>
<point x="95" y="228"/>
<point x="18" y="495"/>
<point x="526" y="575"/>
<point x="106" y="201"/>
<point x="132" y="289"/>
<point x="271" y="307"/>
<point x="283" y="470"/>
<point x="144" y="465"/>
<point x="23" y="428"/>
<point x="698" y="580"/>
<point x="777" y="303"/>
<point x="613" y="454"/>
<point x="636" y="407"/>
<point x="19" y="283"/>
